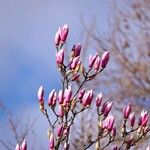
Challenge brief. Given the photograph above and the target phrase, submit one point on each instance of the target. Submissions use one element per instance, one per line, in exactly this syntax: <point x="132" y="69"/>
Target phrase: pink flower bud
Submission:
<point x="17" y="147"/>
<point x="87" y="98"/>
<point x="81" y="94"/>
<point x="97" y="63"/>
<point x="132" y="119"/>
<point x="60" y="111"/>
<point x="60" y="130"/>
<point x="127" y="111"/>
<point x="52" y="98"/>
<point x="76" y="50"/>
<point x="99" y="99"/>
<point x="60" y="57"/>
<point x="113" y="131"/>
<point x="57" y="38"/>
<point x="106" y="108"/>
<point x="148" y="148"/>
<point x="74" y="62"/>
<point x="92" y="60"/>
<point x="109" y="122"/>
<point x="104" y="59"/>
<point x="60" y="97"/>
<point x="67" y="95"/>
<point x="143" y="118"/>
<point x="64" y="33"/>
<point x="51" y="141"/>
<point x="23" y="145"/>
<point x="41" y="94"/>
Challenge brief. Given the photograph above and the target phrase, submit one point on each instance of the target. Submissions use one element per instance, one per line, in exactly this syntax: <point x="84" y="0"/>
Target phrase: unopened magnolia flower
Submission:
<point x="22" y="147"/>
<point x="67" y="95"/>
<point x="127" y="111"/>
<point x="97" y="63"/>
<point x="81" y="94"/>
<point x="52" y="98"/>
<point x="60" y="130"/>
<point x="60" y="111"/>
<point x="99" y="99"/>
<point x="60" y="97"/>
<point x="92" y="60"/>
<point x="57" y="38"/>
<point x="132" y="119"/>
<point x="109" y="122"/>
<point x="87" y="98"/>
<point x="41" y="94"/>
<point x="104" y="59"/>
<point x="106" y="108"/>
<point x="60" y="57"/>
<point x="74" y="62"/>
<point x="76" y="50"/>
<point x="143" y="118"/>
<point x="51" y="141"/>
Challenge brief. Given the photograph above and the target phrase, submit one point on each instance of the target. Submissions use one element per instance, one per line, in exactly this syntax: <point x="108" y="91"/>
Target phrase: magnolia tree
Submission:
<point x="70" y="101"/>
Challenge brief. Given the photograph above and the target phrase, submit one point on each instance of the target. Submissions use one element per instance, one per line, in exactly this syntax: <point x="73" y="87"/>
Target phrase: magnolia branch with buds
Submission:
<point x="68" y="103"/>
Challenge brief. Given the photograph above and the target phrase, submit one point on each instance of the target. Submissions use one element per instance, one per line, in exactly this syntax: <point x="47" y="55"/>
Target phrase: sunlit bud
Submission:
<point x="99" y="99"/>
<point x="60" y="130"/>
<point x="104" y="59"/>
<point x="64" y="33"/>
<point x="60" y="97"/>
<point x="66" y="146"/>
<point x="109" y="122"/>
<point x="81" y="93"/>
<point x="106" y="108"/>
<point x="60" y="111"/>
<point x="52" y="98"/>
<point x="132" y="119"/>
<point x="90" y="97"/>
<point x="24" y="145"/>
<point x="17" y="147"/>
<point x="92" y="60"/>
<point x="75" y="77"/>
<point x="127" y="111"/>
<point x="67" y="95"/>
<point x="113" y="131"/>
<point x="115" y="148"/>
<point x="87" y="98"/>
<point x="74" y="62"/>
<point x="60" y="57"/>
<point x="97" y="63"/>
<point x="148" y="148"/>
<point x="51" y="141"/>
<point x="41" y="94"/>
<point x="57" y="38"/>
<point x="143" y="118"/>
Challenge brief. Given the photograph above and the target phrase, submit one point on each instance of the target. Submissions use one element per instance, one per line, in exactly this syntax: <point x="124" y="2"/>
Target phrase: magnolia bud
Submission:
<point x="97" y="63"/>
<point x="132" y="119"/>
<point x="109" y="122"/>
<point x="52" y="98"/>
<point x="60" y="130"/>
<point x="60" y="57"/>
<point x="127" y="111"/>
<point x="81" y="94"/>
<point x="41" y="94"/>
<point x="60" y="97"/>
<point x="99" y="99"/>
<point x="61" y="111"/>
<point x="104" y="59"/>
<point x="17" y="147"/>
<point x="74" y="62"/>
<point x="92" y="60"/>
<point x="143" y="118"/>
<point x="76" y="50"/>
<point x="24" y="145"/>
<point x="67" y="95"/>
<point x="57" y="38"/>
<point x="51" y="141"/>
<point x="106" y="108"/>
<point x="64" y="33"/>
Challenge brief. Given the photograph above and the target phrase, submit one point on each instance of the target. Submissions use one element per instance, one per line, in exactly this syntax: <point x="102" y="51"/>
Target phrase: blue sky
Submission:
<point x="27" y="59"/>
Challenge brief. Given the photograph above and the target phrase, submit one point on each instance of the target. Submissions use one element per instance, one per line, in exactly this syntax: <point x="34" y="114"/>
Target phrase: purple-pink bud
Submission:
<point x="132" y="119"/>
<point x="74" y="62"/>
<point x="109" y="122"/>
<point x="51" y="141"/>
<point x="76" y="50"/>
<point x="17" y="147"/>
<point x="60" y="111"/>
<point x="41" y="94"/>
<point x="60" y="57"/>
<point x="52" y="98"/>
<point x="67" y="95"/>
<point x="104" y="59"/>
<point x="81" y="94"/>
<point x="143" y="118"/>
<point x="127" y="111"/>
<point x="64" y="33"/>
<point x="60" y="97"/>
<point x="92" y="60"/>
<point x="60" y="130"/>
<point x="87" y="98"/>
<point x="106" y="108"/>
<point x="23" y="145"/>
<point x="57" y="38"/>
<point x="97" y="63"/>
<point x="90" y="97"/>
<point x="99" y="99"/>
